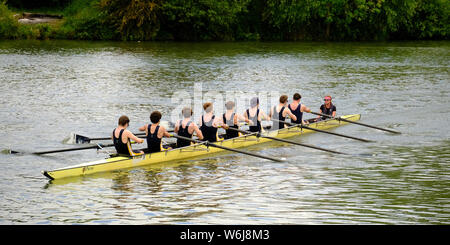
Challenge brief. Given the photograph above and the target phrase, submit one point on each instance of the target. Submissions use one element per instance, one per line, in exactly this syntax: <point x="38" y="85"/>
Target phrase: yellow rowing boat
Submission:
<point x="195" y="150"/>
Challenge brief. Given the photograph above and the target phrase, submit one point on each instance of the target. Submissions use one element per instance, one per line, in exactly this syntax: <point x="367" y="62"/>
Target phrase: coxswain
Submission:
<point x="254" y="115"/>
<point x="154" y="133"/>
<point x="209" y="123"/>
<point x="186" y="128"/>
<point x="121" y="138"/>
<point x="327" y="108"/>
<point x="280" y="112"/>
<point x="297" y="109"/>
<point x="230" y="120"/>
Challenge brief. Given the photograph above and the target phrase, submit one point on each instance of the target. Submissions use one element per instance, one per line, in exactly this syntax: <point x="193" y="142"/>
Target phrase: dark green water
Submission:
<point x="49" y="89"/>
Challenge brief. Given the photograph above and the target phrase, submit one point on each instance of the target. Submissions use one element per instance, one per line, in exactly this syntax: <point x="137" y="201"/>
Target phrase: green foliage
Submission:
<point x="133" y="20"/>
<point x="11" y="29"/>
<point x="355" y="19"/>
<point x="8" y="24"/>
<point x="203" y="19"/>
<point x="430" y="20"/>
<point x="85" y="20"/>
<point x="33" y="4"/>
<point x="198" y="20"/>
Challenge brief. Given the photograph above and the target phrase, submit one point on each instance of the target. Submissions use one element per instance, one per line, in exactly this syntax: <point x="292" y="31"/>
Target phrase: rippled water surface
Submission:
<point x="49" y="89"/>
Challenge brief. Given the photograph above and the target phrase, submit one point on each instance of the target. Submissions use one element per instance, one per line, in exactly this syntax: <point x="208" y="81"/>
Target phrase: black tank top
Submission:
<point x="209" y="132"/>
<point x="280" y="116"/>
<point x="121" y="148"/>
<point x="254" y="119"/>
<point x="228" y="132"/>
<point x="298" y="113"/>
<point x="185" y="133"/>
<point x="153" y="142"/>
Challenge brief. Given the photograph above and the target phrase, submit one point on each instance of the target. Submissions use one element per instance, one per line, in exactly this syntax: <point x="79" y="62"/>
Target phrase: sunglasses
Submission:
<point x="326" y="99"/>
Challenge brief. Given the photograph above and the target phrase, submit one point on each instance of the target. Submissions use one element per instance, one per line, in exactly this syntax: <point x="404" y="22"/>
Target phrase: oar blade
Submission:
<point x="80" y="139"/>
<point x="9" y="151"/>
<point x="76" y="139"/>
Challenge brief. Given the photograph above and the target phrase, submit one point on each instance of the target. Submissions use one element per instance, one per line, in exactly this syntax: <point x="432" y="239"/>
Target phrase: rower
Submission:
<point x="230" y="120"/>
<point x="327" y="108"/>
<point x="154" y="133"/>
<point x="121" y="138"/>
<point x="297" y="109"/>
<point x="209" y="123"/>
<point x="186" y="128"/>
<point x="254" y="115"/>
<point x="280" y="112"/>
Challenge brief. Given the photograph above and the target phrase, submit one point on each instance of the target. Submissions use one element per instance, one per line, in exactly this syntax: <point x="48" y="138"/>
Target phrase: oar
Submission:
<point x="287" y="141"/>
<point x="322" y="131"/>
<point x="97" y="146"/>
<point x="207" y="143"/>
<point x="362" y="124"/>
<point x="80" y="139"/>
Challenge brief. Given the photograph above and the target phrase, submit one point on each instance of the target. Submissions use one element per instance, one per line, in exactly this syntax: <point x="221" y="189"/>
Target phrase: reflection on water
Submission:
<point x="52" y="88"/>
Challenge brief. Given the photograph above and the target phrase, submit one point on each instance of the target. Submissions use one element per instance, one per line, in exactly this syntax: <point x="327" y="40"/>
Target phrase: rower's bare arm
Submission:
<point x="246" y="119"/>
<point x="305" y="109"/>
<point x="334" y="114"/>
<point x="133" y="137"/>
<point x="143" y="128"/>
<point x="220" y="120"/>
<point x="165" y="133"/>
<point x="177" y="127"/>
<point x="197" y="131"/>
<point x="217" y="122"/>
<point x="291" y="115"/>
<point x="239" y="117"/>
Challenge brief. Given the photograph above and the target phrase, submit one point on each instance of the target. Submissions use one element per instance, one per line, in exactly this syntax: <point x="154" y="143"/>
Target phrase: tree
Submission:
<point x="133" y="19"/>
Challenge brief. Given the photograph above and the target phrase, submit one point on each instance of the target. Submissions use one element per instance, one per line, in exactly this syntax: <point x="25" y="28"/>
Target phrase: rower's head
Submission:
<point x="124" y="121"/>
<point x="155" y="117"/>
<point x="254" y="102"/>
<point x="327" y="99"/>
<point x="208" y="107"/>
<point x="229" y="105"/>
<point x="283" y="99"/>
<point x="296" y="97"/>
<point x="187" y="112"/>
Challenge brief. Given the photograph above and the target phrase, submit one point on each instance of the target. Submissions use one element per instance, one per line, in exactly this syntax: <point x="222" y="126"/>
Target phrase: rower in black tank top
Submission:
<point x="280" y="116"/>
<point x="185" y="133"/>
<point x="209" y="132"/>
<point x="153" y="142"/>
<point x="121" y="148"/>
<point x="228" y="132"/>
<point x="298" y="113"/>
<point x="257" y="127"/>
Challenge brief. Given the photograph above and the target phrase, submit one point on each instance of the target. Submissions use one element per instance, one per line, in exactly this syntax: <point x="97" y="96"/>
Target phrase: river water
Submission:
<point x="49" y="89"/>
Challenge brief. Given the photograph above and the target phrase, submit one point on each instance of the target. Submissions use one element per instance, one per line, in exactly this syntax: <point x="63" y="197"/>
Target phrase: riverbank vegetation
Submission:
<point x="229" y="20"/>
